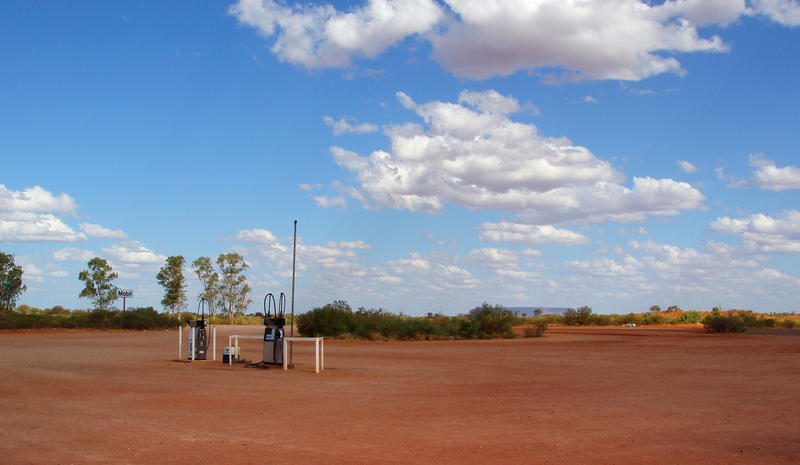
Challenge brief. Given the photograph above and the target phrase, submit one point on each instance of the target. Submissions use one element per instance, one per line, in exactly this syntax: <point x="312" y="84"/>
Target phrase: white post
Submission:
<point x="322" y="353"/>
<point x="180" y="341"/>
<point x="191" y="344"/>
<point x="316" y="355"/>
<point x="285" y="359"/>
<point x="214" y="344"/>
<point x="230" y="351"/>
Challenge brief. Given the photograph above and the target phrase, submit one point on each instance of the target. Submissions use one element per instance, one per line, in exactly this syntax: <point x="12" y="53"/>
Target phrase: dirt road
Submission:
<point x="594" y="397"/>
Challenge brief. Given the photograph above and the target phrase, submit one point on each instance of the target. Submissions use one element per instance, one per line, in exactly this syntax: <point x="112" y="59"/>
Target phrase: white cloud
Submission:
<point x="319" y="36"/>
<point x="472" y="154"/>
<point x="132" y="253"/>
<point x="309" y="187"/>
<point x="762" y="233"/>
<point x="256" y="236"/>
<point x="491" y="257"/>
<point x="348" y="126"/>
<point x="455" y="277"/>
<point x="519" y="275"/>
<point x="705" y="12"/>
<point x="23" y="226"/>
<point x="30" y="272"/>
<point x="414" y="262"/>
<point x="516" y="233"/>
<point x="72" y="254"/>
<point x="786" y="12"/>
<point x="34" y="199"/>
<point x="603" y="39"/>
<point x="623" y="40"/>
<point x="606" y="267"/>
<point x="768" y="176"/>
<point x="95" y="230"/>
<point x="325" y="202"/>
<point x="356" y="245"/>
<point x="719" y="275"/>
<point x="590" y="99"/>
<point x="686" y="166"/>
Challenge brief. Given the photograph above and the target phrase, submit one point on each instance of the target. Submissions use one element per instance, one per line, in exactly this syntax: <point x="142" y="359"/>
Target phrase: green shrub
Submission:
<point x="717" y="322"/>
<point x="492" y="320"/>
<point x="537" y="330"/>
<point x="140" y="318"/>
<point x="653" y="319"/>
<point x="331" y="320"/>
<point x="690" y="316"/>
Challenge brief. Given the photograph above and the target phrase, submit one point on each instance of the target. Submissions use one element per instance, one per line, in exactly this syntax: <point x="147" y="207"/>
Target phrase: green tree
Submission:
<point x="11" y="285"/>
<point x="233" y="288"/>
<point x="170" y="277"/>
<point x="582" y="316"/>
<point x="209" y="279"/>
<point x="655" y="308"/>
<point x="98" y="280"/>
<point x="537" y="313"/>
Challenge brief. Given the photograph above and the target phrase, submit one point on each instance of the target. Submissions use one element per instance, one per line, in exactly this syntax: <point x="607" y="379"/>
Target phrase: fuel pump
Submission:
<point x="273" y="329"/>
<point x="198" y="336"/>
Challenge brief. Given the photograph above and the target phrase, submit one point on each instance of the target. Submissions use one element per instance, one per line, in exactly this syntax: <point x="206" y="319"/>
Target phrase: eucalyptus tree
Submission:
<point x="209" y="279"/>
<point x="11" y="285"/>
<point x="233" y="287"/>
<point x="171" y="278"/>
<point x="99" y="283"/>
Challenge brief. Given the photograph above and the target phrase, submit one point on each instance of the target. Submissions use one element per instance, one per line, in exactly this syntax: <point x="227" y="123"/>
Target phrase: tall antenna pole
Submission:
<point x="294" y="257"/>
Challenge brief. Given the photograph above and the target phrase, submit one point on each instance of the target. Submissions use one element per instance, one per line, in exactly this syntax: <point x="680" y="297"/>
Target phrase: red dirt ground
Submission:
<point x="575" y="396"/>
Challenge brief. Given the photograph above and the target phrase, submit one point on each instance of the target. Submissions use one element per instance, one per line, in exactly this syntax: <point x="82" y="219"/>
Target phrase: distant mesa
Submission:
<point x="545" y="310"/>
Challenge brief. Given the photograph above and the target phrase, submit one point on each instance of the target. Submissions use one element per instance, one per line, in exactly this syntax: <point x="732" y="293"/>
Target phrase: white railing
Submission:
<point x="319" y="351"/>
<point x="233" y="343"/>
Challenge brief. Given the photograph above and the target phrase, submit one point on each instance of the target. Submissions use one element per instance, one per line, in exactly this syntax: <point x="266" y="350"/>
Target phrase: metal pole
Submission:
<point x="294" y="257"/>
<point x="180" y="341"/>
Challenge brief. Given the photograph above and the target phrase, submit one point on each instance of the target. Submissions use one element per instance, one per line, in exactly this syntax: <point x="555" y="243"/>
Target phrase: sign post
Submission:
<point x="125" y="294"/>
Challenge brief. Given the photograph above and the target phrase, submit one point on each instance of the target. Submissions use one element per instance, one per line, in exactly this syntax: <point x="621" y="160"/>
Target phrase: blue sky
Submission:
<point x="436" y="154"/>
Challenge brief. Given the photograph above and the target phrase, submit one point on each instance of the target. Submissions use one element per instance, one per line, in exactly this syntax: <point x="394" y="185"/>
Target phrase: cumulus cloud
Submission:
<point x="319" y="36"/>
<point x="23" y="226"/>
<point x="325" y="201"/>
<point x="686" y="167"/>
<point x="72" y="254"/>
<point x="618" y="39"/>
<point x="348" y="126"/>
<point x="606" y="267"/>
<point x="27" y="216"/>
<point x="471" y="153"/>
<point x="95" y="230"/>
<point x="786" y="12"/>
<point x="762" y="233"/>
<point x="516" y="233"/>
<point x="132" y="253"/>
<point x="603" y="39"/>
<point x="34" y="199"/>
<point x="455" y="277"/>
<point x="768" y="176"/>
<point x="256" y="236"/>
<point x="491" y="257"/>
